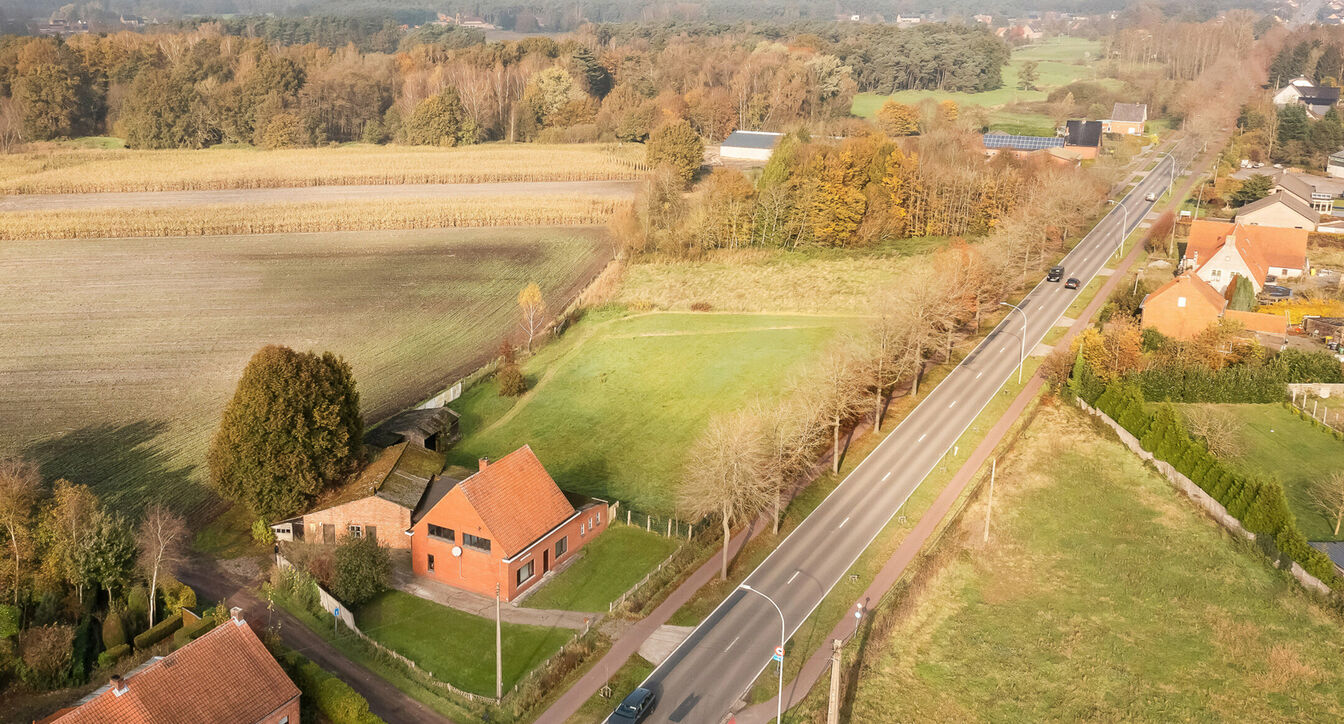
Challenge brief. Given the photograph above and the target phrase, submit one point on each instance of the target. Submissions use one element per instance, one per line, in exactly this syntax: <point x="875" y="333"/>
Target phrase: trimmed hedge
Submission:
<point x="114" y="630"/>
<point x="333" y="697"/>
<point x="158" y="632"/>
<point x="187" y="634"/>
<point x="112" y="655"/>
<point x="1258" y="503"/>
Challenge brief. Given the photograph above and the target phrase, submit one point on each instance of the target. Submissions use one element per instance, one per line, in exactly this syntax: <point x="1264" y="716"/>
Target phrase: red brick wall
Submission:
<point x="290" y="710"/>
<point x="390" y="519"/>
<point x="478" y="571"/>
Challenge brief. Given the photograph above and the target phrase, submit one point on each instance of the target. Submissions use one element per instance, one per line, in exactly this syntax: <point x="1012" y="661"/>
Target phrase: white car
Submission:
<point x="1150" y="197"/>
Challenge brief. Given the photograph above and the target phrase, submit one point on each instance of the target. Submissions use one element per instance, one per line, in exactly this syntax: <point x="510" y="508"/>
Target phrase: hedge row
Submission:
<point x="187" y="634"/>
<point x="333" y="697"/>
<point x="112" y="655"/>
<point x="158" y="632"/>
<point x="1259" y="504"/>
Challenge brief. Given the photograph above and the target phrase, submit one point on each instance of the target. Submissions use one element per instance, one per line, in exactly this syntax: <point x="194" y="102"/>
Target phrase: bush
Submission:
<point x="112" y="655"/>
<point x="262" y="533"/>
<point x="158" y="632"/>
<point x="114" y="630"/>
<point x="361" y="570"/>
<point x="9" y="620"/>
<point x="332" y="697"/>
<point x="45" y="655"/>
<point x="136" y="616"/>
<point x="511" y="380"/>
<point x="176" y="594"/>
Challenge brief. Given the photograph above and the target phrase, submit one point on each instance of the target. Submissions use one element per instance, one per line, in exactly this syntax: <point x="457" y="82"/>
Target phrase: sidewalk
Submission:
<point x="484" y="606"/>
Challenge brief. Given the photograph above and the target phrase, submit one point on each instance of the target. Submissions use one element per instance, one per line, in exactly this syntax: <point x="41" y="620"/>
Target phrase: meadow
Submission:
<point x="121" y="353"/>
<point x="616" y="402"/>
<point x="1102" y="595"/>
<point x="1276" y="443"/>
<point x="291" y="218"/>
<point x="86" y="167"/>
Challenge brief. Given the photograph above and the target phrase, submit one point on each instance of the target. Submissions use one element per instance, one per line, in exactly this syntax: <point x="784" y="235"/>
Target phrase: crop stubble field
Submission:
<point x="68" y="169"/>
<point x="121" y="353"/>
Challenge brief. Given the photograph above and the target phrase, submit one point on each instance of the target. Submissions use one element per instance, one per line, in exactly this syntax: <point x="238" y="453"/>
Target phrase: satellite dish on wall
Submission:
<point x="457" y="551"/>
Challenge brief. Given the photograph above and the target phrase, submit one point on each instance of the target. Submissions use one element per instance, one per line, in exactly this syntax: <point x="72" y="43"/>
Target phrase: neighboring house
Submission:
<point x="749" y="145"/>
<point x="1182" y="308"/>
<point x="996" y="142"/>
<point x="1216" y="250"/>
<point x="1335" y="164"/>
<point x="1317" y="99"/>
<point x="1126" y="119"/>
<point x="381" y="503"/>
<point x="224" y="677"/>
<point x="1318" y="192"/>
<point x="1280" y="209"/>
<point x="502" y="528"/>
<point x="1083" y="137"/>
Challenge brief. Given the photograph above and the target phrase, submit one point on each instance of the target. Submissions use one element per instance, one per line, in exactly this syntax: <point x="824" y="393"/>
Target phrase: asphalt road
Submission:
<point x="714" y="667"/>
<point x="167" y="199"/>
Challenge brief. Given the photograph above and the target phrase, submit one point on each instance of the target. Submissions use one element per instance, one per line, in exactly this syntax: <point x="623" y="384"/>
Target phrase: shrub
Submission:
<point x="511" y="380"/>
<point x="158" y="632"/>
<point x="112" y="655"/>
<point x="332" y="697"/>
<point x="136" y="616"/>
<point x="114" y="630"/>
<point x="361" y="570"/>
<point x="9" y="620"/>
<point x="700" y="307"/>
<point x="262" y="533"/>
<point x="176" y="595"/>
<point x="45" y="655"/>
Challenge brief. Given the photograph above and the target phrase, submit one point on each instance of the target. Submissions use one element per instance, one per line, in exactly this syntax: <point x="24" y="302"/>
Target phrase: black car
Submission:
<point x="634" y="708"/>
<point x="1072" y="283"/>
<point x="1055" y="274"/>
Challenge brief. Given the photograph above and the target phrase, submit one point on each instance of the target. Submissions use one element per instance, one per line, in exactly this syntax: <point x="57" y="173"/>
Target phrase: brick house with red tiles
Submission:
<point x="506" y="525"/>
<point x="1188" y="305"/>
<point x="224" y="677"/>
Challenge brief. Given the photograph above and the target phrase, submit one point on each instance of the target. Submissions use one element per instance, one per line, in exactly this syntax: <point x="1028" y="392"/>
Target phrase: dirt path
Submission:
<point x="385" y="700"/>
<point x="168" y="199"/>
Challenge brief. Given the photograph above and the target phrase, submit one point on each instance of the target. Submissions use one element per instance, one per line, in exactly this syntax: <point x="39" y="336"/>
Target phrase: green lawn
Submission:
<point x="1277" y="443"/>
<point x="453" y="646"/>
<point x="608" y="567"/>
<point x="623" y="681"/>
<point x="1103" y="595"/>
<point x="618" y="400"/>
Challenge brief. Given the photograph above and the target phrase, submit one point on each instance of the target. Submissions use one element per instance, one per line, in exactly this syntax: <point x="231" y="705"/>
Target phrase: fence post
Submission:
<point x="648" y="523"/>
<point x="627" y="516"/>
<point x="669" y="527"/>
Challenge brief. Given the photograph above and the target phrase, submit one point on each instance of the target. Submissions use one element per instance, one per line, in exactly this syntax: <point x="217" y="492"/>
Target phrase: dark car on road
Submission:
<point x="1072" y="283"/>
<point x="1055" y="274"/>
<point x="633" y="708"/>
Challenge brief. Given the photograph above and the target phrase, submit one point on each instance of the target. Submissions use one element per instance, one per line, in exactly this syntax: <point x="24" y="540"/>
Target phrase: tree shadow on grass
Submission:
<point x="128" y="465"/>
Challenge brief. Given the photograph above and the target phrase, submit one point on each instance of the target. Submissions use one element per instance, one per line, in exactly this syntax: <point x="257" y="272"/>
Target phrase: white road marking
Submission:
<point x="731" y="645"/>
<point x="842" y="524"/>
<point x="977" y="374"/>
<point x="1040" y="307"/>
<point x="952" y="404"/>
<point x="795" y="575"/>
<point x="884" y="477"/>
<point x="921" y="437"/>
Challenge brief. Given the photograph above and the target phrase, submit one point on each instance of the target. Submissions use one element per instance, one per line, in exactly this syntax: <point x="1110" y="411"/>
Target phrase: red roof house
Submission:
<point x="506" y="525"/>
<point x="1263" y="250"/>
<point x="1183" y="307"/>
<point x="224" y="677"/>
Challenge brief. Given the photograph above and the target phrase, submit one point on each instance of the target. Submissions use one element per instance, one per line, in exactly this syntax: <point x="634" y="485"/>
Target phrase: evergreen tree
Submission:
<point x="1241" y="294"/>
<point x="1252" y="189"/>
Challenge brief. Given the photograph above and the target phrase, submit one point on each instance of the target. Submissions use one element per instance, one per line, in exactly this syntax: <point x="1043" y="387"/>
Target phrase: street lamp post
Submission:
<point x="779" y="697"/>
<point x="1124" y="226"/>
<point x="1023" y="362"/>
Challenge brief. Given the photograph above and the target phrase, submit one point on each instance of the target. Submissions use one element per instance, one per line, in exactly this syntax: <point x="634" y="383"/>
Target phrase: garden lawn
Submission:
<point x="1277" y="443"/>
<point x="453" y="646"/>
<point x="616" y="403"/>
<point x="606" y="568"/>
<point x="1103" y="595"/>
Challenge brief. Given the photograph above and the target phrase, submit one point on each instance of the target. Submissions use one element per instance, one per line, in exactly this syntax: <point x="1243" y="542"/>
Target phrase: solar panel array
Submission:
<point x="1021" y="143"/>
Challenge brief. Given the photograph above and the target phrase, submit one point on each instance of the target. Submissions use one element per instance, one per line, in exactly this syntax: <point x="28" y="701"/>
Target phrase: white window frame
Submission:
<point x="355" y="530"/>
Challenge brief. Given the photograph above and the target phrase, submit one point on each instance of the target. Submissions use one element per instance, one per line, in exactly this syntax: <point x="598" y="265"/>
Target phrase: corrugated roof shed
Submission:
<point x="752" y="139"/>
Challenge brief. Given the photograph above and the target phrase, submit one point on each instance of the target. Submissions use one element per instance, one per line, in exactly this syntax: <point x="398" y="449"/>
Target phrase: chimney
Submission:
<point x="484" y="462"/>
<point x="236" y="614"/>
<point x="118" y="685"/>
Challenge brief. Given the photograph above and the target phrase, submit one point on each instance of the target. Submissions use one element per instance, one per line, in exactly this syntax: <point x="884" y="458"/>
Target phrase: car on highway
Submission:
<point x="1150" y="197"/>
<point x="1055" y="274"/>
<point x="1072" y="283"/>
<point x="634" y="707"/>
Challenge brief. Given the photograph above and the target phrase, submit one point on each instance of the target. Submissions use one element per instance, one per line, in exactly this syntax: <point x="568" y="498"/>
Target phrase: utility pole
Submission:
<point x="989" y="505"/>
<point x="499" y="652"/>
<point x="833" y="710"/>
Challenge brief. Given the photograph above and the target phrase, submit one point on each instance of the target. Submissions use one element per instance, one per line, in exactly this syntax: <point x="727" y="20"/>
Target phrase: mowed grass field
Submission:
<point x="120" y="354"/>
<point x="1276" y="443"/>
<point x="607" y="567"/>
<point x="1102" y="596"/>
<point x="84" y="168"/>
<point x="1060" y="61"/>
<point x="615" y="404"/>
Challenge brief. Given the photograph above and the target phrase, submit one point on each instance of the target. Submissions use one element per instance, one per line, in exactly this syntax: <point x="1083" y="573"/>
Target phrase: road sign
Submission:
<point x="335" y="610"/>
<point x="779" y="654"/>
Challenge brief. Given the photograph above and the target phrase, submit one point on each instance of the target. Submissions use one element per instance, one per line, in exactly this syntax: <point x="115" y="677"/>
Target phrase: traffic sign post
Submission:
<point x="335" y="616"/>
<point x="779" y="654"/>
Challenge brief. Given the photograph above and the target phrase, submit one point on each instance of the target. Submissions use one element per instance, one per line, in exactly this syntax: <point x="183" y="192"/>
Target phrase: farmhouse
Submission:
<point x="1127" y="119"/>
<point x="502" y="528"/>
<point x="379" y="504"/>
<point x="749" y="145"/>
<point x="1280" y="209"/>
<point x="1188" y="305"/>
<point x="1218" y="250"/>
<point x="224" y="677"/>
<point x="1318" y="100"/>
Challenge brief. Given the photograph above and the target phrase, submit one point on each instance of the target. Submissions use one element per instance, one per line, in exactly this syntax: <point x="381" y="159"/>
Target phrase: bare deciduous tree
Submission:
<point x="533" y="309"/>
<point x="19" y="485"/>
<point x="1218" y="430"/>
<point x="724" y="474"/>
<point x="838" y="381"/>
<point x="792" y="431"/>
<point x="160" y="542"/>
<point x="1327" y="494"/>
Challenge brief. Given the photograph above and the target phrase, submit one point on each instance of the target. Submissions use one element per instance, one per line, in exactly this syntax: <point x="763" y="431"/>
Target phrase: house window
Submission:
<point x="444" y="534"/>
<point x="356" y="531"/>
<point x="582" y="528"/>
<point x="480" y="544"/>
<point x="429" y="562"/>
<point x="525" y="572"/>
<point x="1216" y="273"/>
<point x="561" y="547"/>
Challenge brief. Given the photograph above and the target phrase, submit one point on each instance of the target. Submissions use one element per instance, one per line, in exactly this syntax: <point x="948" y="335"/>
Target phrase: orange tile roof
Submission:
<point x="1255" y="261"/>
<point x="1194" y="286"/>
<point x="1280" y="248"/>
<point x="517" y="500"/>
<point x="225" y="676"/>
<point x="1258" y="321"/>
